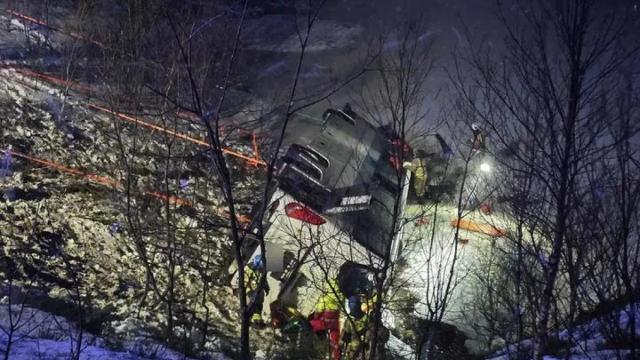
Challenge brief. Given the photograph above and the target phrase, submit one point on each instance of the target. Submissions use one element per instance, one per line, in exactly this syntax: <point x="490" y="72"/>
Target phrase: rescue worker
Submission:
<point x="419" y="170"/>
<point x="368" y="307"/>
<point x="288" y="319"/>
<point x="252" y="277"/>
<point x="326" y="316"/>
<point x="353" y="341"/>
<point x="478" y="142"/>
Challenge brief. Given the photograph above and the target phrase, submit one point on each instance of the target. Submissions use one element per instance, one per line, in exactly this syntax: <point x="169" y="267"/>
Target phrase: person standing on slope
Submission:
<point x="252" y="278"/>
<point x="418" y="167"/>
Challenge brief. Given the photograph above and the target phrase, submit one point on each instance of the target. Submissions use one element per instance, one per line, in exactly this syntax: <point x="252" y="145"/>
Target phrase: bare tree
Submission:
<point x="210" y="114"/>
<point x="540" y="102"/>
<point x="21" y="323"/>
<point x="610" y="209"/>
<point x="398" y="100"/>
<point x="186" y="87"/>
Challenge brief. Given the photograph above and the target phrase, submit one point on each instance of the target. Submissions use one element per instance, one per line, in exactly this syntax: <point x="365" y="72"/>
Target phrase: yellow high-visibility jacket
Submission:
<point x="354" y="332"/>
<point x="419" y="170"/>
<point x="251" y="279"/>
<point x="331" y="299"/>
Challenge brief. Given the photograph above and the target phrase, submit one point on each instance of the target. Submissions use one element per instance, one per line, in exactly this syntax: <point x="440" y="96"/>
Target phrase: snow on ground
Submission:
<point x="399" y="348"/>
<point x="35" y="348"/>
<point x="32" y="123"/>
<point x="589" y="340"/>
<point x="429" y="251"/>
<point x="41" y="335"/>
<point x="429" y="266"/>
<point x="32" y="33"/>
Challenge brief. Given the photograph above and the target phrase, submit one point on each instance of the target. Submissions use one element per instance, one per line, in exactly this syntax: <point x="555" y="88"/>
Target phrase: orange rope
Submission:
<point x="98" y="179"/>
<point x="149" y="125"/>
<point x="72" y="34"/>
<point x="251" y="160"/>
<point x="47" y="163"/>
<point x="170" y="198"/>
<point x="242" y="219"/>
<point x="52" y="79"/>
<point x="110" y="182"/>
<point x="256" y="153"/>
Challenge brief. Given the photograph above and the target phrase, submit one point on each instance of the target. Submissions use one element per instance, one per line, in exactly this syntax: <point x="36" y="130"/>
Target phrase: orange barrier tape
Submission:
<point x="242" y="219"/>
<point x="52" y="79"/>
<point x="473" y="226"/>
<point x="104" y="180"/>
<point x="112" y="183"/>
<point x="47" y="163"/>
<point x="99" y="179"/>
<point x="72" y="34"/>
<point x="249" y="159"/>
<point x="170" y="198"/>
<point x="133" y="120"/>
<point x="109" y="182"/>
<point x="252" y="160"/>
<point x="256" y="153"/>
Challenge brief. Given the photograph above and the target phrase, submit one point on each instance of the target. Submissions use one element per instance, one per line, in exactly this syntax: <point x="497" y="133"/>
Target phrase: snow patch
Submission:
<point x="33" y="34"/>
<point x="589" y="340"/>
<point x="40" y="335"/>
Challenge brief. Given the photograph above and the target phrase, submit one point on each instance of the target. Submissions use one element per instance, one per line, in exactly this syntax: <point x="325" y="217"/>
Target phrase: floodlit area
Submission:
<point x="447" y="247"/>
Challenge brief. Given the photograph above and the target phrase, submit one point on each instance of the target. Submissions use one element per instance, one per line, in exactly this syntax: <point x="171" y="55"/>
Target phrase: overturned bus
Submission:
<point x="337" y="204"/>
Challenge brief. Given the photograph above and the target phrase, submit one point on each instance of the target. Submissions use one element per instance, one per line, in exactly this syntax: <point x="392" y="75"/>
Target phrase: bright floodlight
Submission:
<point x="485" y="167"/>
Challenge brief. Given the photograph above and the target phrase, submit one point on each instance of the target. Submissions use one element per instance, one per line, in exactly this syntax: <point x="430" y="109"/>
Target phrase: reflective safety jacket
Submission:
<point x="419" y="170"/>
<point x="331" y="299"/>
<point x="251" y="279"/>
<point x="354" y="333"/>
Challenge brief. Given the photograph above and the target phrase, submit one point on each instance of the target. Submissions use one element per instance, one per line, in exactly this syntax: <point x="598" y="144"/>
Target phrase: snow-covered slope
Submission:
<point x="40" y="335"/>
<point x="593" y="340"/>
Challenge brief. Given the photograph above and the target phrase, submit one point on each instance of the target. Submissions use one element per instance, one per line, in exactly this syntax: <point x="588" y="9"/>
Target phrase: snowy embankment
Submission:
<point x="40" y="335"/>
<point x="592" y="340"/>
<point x="53" y="218"/>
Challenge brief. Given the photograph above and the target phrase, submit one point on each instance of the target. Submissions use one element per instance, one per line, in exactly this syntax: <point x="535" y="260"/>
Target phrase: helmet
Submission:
<point x="475" y="126"/>
<point x="257" y="262"/>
